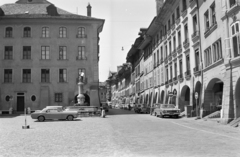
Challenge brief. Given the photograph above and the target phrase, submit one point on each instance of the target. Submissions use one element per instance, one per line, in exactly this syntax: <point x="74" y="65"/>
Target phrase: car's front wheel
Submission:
<point x="70" y="118"/>
<point x="41" y="118"/>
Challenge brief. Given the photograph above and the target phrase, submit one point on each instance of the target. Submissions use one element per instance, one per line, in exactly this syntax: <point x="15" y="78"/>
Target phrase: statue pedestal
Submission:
<point x="80" y="97"/>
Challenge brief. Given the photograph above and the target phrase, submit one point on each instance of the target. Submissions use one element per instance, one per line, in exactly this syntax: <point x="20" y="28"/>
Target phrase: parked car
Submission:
<point x="153" y="107"/>
<point x="137" y="108"/>
<point x="169" y="110"/>
<point x="93" y="110"/>
<point x="54" y="112"/>
<point x="145" y="109"/>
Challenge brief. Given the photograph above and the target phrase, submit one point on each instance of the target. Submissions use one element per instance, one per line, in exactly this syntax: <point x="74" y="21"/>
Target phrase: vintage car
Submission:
<point x="153" y="107"/>
<point x="169" y="110"/>
<point x="83" y="110"/>
<point x="54" y="112"/>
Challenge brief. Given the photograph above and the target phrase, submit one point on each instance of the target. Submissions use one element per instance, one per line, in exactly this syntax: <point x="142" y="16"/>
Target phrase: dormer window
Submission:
<point x="27" y="32"/>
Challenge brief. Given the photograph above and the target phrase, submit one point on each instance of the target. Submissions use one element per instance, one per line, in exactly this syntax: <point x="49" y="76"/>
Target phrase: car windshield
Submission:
<point x="168" y="106"/>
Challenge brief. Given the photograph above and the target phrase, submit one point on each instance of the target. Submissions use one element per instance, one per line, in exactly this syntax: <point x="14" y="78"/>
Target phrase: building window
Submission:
<point x="166" y="51"/>
<point x="235" y="39"/>
<point x="217" y="51"/>
<point x="175" y="68"/>
<point x="232" y="3"/>
<point x="169" y="24"/>
<point x="26" y="52"/>
<point x="26" y="76"/>
<point x="170" y="47"/>
<point x="58" y="97"/>
<point x="197" y="59"/>
<point x="45" y="52"/>
<point x="45" y="32"/>
<point x="26" y="32"/>
<point x="9" y="32"/>
<point x="7" y="75"/>
<point x="179" y="38"/>
<point x="81" y="53"/>
<point x="62" y="32"/>
<point x="213" y="14"/>
<point x="171" y="72"/>
<point x="188" y="62"/>
<point x="206" y="20"/>
<point x="208" y="57"/>
<point x="62" y="52"/>
<point x="62" y="75"/>
<point x="81" y="32"/>
<point x="178" y="12"/>
<point x="180" y="67"/>
<point x="157" y="56"/>
<point x="195" y="25"/>
<point x="184" y="5"/>
<point x="173" y="18"/>
<point x="33" y="98"/>
<point x="186" y="31"/>
<point x="174" y="43"/>
<point x="8" y="53"/>
<point x="45" y="75"/>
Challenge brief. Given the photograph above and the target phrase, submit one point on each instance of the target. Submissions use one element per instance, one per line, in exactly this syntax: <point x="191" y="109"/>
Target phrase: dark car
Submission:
<point x="137" y="108"/>
<point x="169" y="110"/>
<point x="144" y="109"/>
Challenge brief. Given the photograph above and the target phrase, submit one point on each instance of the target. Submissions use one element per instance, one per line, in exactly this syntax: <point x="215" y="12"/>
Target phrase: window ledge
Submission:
<point x="219" y="62"/>
<point x="210" y="30"/>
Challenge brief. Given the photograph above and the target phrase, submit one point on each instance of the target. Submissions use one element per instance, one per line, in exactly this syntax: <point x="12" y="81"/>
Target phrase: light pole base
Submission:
<point x="26" y="127"/>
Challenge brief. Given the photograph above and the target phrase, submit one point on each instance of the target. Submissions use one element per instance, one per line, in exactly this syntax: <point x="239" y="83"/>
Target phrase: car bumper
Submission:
<point x="170" y="114"/>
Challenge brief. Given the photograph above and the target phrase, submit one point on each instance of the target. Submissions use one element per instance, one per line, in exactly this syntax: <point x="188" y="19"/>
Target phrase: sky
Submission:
<point x="123" y="20"/>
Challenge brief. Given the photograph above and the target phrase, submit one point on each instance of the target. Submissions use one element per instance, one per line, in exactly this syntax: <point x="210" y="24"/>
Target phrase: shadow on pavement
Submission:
<point x="10" y="115"/>
<point x="120" y="112"/>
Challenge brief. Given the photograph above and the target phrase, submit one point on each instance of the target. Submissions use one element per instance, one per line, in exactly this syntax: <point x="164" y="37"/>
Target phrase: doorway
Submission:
<point x="20" y="102"/>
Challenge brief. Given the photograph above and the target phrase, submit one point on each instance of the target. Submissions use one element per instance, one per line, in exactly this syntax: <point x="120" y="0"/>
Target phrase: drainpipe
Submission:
<point x="201" y="95"/>
<point x="232" y="109"/>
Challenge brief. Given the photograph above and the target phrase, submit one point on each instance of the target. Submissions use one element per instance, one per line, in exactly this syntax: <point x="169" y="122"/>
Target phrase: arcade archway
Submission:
<point x="197" y="89"/>
<point x="162" y="97"/>
<point x="184" y="98"/>
<point x="237" y="98"/>
<point x="213" y="96"/>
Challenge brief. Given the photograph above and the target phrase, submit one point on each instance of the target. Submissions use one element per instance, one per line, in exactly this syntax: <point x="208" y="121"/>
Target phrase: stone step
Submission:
<point x="216" y="114"/>
<point x="235" y="122"/>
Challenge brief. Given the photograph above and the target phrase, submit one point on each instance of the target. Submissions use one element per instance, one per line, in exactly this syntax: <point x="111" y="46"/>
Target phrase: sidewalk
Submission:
<point x="214" y="122"/>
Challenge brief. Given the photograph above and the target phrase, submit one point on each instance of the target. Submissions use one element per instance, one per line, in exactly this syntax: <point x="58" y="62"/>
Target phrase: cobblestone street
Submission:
<point x="121" y="134"/>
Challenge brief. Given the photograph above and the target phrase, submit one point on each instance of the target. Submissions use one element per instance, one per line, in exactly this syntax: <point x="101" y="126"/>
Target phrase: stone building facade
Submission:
<point x="43" y="50"/>
<point x="191" y="54"/>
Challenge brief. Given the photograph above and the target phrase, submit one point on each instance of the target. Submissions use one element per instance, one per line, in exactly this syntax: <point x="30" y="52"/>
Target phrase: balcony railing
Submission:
<point x="186" y="43"/>
<point x="174" y="53"/>
<point x="179" y="49"/>
<point x="178" y="20"/>
<point x="166" y="82"/>
<point x="195" y="34"/>
<point x="184" y="13"/>
<point x="180" y="77"/>
<point x="170" y="81"/>
<point x="197" y="71"/>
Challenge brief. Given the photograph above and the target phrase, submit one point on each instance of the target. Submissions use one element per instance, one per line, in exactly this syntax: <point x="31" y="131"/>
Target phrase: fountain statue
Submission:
<point x="80" y="97"/>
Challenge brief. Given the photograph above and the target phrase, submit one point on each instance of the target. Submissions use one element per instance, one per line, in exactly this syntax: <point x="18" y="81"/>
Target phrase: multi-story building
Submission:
<point x="221" y="61"/>
<point x="44" y="49"/>
<point x="102" y="92"/>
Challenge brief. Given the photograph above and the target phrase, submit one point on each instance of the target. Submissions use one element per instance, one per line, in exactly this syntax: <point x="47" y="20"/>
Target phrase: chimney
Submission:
<point x="89" y="8"/>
